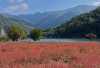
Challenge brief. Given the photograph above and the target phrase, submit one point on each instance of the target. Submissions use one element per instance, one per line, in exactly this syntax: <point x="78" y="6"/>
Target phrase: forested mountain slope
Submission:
<point x="78" y="26"/>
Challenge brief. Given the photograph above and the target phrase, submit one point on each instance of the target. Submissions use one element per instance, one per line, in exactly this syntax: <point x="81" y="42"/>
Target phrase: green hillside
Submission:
<point x="5" y="22"/>
<point x="78" y="26"/>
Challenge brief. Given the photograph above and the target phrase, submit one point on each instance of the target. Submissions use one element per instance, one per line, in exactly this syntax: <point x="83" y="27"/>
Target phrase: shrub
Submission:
<point x="36" y="34"/>
<point x="91" y="36"/>
<point x="4" y="38"/>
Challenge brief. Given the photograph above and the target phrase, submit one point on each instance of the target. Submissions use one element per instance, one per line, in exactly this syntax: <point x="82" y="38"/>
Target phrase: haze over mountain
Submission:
<point x="53" y="18"/>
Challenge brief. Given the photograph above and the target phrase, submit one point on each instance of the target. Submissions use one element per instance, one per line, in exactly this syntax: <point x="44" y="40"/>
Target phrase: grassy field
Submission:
<point x="49" y="54"/>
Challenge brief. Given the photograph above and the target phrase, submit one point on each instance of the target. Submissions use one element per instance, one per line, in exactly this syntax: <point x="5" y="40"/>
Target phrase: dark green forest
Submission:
<point x="78" y="26"/>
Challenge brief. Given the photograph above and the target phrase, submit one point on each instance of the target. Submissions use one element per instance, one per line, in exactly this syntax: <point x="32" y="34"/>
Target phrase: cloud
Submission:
<point x="20" y="7"/>
<point x="19" y="1"/>
<point x="96" y="3"/>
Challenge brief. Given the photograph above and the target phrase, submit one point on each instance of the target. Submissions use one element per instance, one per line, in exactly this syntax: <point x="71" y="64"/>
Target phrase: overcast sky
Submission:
<point x="33" y="6"/>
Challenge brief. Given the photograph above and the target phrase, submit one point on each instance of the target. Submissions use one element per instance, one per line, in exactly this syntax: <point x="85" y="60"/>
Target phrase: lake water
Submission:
<point x="62" y="40"/>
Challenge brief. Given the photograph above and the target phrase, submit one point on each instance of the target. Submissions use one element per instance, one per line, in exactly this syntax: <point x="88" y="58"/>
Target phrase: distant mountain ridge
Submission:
<point x="53" y="18"/>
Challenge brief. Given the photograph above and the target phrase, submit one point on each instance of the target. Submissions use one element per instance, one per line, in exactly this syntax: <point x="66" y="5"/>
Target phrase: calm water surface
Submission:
<point x="62" y="40"/>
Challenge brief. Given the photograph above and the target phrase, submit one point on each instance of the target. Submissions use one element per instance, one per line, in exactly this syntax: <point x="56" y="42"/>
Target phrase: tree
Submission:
<point x="36" y="34"/>
<point x="91" y="36"/>
<point x="16" y="32"/>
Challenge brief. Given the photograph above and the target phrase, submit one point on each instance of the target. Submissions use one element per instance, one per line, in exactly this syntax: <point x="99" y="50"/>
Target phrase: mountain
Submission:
<point x="55" y="18"/>
<point x="5" y="22"/>
<point x="78" y="26"/>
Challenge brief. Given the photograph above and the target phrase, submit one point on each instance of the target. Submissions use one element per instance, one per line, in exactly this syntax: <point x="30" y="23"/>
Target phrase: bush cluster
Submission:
<point x="4" y="38"/>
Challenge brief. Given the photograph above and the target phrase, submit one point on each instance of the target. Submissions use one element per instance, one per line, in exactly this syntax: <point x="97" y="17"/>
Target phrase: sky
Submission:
<point x="17" y="7"/>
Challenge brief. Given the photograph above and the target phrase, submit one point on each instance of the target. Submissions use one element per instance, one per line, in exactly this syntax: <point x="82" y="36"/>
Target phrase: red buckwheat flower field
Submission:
<point x="49" y="54"/>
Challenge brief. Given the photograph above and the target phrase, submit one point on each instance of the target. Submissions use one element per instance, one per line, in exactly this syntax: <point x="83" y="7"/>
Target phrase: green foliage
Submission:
<point x="48" y="33"/>
<point x="79" y="26"/>
<point x="91" y="36"/>
<point x="16" y="32"/>
<point x="36" y="34"/>
<point x="4" y="38"/>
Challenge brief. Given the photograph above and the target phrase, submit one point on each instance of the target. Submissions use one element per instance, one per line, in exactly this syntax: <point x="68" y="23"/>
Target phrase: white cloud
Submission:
<point x="20" y="7"/>
<point x="16" y="1"/>
<point x="96" y="3"/>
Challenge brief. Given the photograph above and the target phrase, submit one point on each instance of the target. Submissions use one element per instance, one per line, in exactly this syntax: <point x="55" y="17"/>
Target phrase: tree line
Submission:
<point x="16" y="32"/>
<point x="85" y="25"/>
